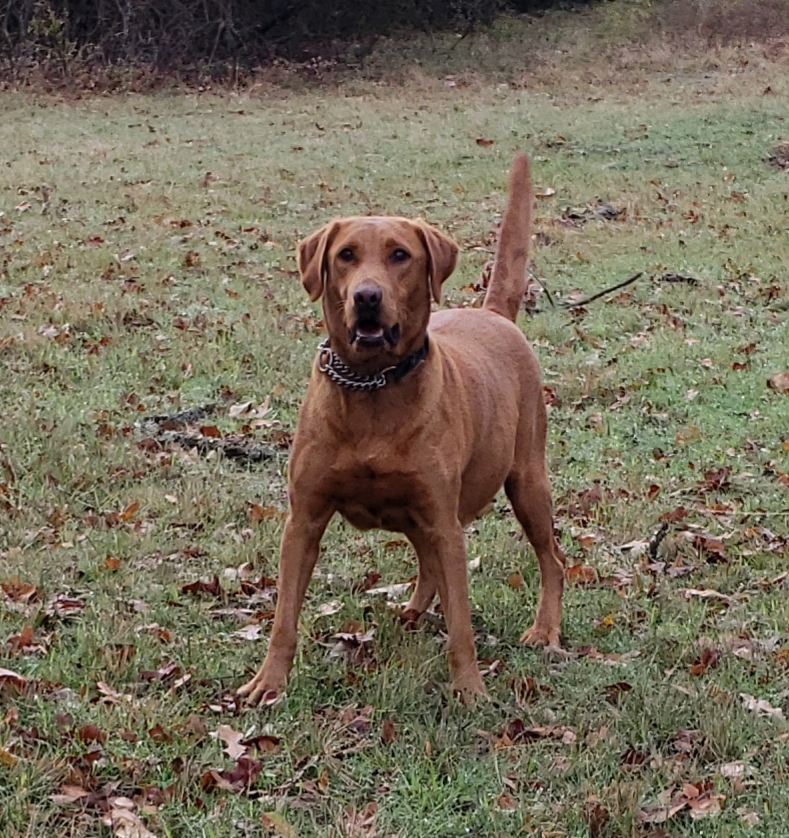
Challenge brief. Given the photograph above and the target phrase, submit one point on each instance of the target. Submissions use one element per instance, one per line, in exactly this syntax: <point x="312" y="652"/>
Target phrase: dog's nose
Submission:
<point x="367" y="296"/>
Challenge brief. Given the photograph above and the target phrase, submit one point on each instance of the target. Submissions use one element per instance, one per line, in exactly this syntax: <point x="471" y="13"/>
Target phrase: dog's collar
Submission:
<point x="338" y="371"/>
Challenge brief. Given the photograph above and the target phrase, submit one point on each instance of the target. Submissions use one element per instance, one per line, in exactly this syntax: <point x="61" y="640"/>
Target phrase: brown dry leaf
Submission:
<point x="264" y="743"/>
<point x="355" y="647"/>
<point x="91" y="733"/>
<point x="515" y="580"/>
<point x="708" y="659"/>
<point x="212" y="588"/>
<point x="232" y="739"/>
<point x="581" y="574"/>
<point x="69" y="795"/>
<point x="7" y="759"/>
<point x="595" y="816"/>
<point x="388" y="732"/>
<point x="18" y="591"/>
<point x="361" y="824"/>
<point x="614" y="691"/>
<point x="516" y="732"/>
<point x="779" y="382"/>
<point x="130" y="511"/>
<point x="506" y="803"/>
<point x="235" y="780"/>
<point x="276" y="822"/>
<point x="258" y="513"/>
<point x="112" y="563"/>
<point x="705" y="804"/>
<point x="123" y="821"/>
<point x="706" y="593"/>
<point x="25" y="643"/>
<point x="11" y="682"/>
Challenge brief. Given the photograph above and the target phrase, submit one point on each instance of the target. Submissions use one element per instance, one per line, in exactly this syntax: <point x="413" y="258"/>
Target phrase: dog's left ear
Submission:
<point x="442" y="253"/>
<point x="312" y="259"/>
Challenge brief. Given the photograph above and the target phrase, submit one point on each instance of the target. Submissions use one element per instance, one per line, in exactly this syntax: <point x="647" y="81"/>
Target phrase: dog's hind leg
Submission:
<point x="529" y="491"/>
<point x="425" y="590"/>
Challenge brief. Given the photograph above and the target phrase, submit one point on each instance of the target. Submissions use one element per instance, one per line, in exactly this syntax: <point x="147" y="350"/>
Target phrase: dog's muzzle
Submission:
<point x="367" y="330"/>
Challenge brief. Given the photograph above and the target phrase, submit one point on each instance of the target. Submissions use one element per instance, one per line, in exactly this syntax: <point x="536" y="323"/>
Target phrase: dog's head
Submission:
<point x="376" y="276"/>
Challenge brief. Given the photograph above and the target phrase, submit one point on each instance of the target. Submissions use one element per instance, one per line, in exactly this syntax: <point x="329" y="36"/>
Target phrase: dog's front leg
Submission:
<point x="443" y="550"/>
<point x="298" y="554"/>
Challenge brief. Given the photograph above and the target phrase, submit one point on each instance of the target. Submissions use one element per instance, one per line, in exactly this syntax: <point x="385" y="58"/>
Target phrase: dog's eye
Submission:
<point x="345" y="255"/>
<point x="400" y="255"/>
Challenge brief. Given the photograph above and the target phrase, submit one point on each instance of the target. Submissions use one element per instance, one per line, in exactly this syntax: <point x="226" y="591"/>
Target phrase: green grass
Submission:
<point x="106" y="317"/>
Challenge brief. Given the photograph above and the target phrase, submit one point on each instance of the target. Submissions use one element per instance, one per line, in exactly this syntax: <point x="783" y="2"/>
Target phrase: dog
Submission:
<point x="412" y="423"/>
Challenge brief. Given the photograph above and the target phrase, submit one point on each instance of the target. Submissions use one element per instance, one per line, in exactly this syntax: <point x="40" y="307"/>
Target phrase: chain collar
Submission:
<point x="339" y="372"/>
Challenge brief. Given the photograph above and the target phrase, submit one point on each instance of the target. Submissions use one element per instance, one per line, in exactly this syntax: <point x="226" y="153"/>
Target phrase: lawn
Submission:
<point x="148" y="268"/>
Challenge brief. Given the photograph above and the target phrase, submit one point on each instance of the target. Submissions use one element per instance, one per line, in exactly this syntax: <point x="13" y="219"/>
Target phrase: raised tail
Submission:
<point x="508" y="280"/>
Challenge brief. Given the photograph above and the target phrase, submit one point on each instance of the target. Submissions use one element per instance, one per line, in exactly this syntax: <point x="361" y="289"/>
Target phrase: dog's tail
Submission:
<point x="508" y="279"/>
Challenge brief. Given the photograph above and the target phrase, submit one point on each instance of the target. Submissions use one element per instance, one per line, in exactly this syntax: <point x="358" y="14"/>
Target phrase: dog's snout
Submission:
<point x="368" y="297"/>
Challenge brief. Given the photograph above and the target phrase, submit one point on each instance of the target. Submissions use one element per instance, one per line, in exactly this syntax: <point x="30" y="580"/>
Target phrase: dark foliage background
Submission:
<point x="167" y="34"/>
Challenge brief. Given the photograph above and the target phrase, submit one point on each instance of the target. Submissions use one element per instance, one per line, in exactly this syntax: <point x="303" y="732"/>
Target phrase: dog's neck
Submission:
<point x="330" y="363"/>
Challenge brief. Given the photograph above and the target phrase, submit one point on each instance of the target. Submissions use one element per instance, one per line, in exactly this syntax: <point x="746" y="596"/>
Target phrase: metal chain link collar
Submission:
<point x="339" y="372"/>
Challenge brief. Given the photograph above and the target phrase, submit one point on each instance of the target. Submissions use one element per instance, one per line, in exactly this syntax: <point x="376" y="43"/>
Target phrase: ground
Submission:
<point x="148" y="268"/>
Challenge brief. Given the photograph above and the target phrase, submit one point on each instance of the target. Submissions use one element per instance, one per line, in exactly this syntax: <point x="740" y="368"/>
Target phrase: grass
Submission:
<point x="148" y="267"/>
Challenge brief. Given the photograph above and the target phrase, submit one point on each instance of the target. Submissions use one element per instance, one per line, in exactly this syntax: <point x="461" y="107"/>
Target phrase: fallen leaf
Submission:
<point x="212" y="588"/>
<point x="250" y="632"/>
<point x="732" y="769"/>
<point x="18" y="591"/>
<point x="748" y="816"/>
<point x="708" y="659"/>
<point x="361" y="824"/>
<point x="124" y="822"/>
<point x="779" y="382"/>
<point x="761" y="706"/>
<point x="505" y="802"/>
<point x="515" y="580"/>
<point x="276" y="821"/>
<point x="69" y="795"/>
<point x="232" y="739"/>
<point x="581" y="574"/>
<point x="388" y="732"/>
<point x="392" y="592"/>
<point x="595" y="815"/>
<point x="91" y="733"/>
<point x="705" y="805"/>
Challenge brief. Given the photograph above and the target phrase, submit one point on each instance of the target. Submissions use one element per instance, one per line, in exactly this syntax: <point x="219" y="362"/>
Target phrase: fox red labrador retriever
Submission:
<point x="412" y="422"/>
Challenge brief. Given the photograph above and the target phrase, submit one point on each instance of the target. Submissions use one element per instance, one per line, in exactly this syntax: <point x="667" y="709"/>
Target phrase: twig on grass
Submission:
<point x="586" y="300"/>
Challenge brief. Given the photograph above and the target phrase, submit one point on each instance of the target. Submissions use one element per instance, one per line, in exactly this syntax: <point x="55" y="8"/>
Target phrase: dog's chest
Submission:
<point x="374" y="492"/>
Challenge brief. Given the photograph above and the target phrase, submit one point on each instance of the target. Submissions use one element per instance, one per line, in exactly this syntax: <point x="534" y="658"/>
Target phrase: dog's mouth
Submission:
<point x="371" y="334"/>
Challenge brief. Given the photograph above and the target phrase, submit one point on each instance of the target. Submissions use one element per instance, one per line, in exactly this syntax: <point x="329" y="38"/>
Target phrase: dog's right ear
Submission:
<point x="312" y="259"/>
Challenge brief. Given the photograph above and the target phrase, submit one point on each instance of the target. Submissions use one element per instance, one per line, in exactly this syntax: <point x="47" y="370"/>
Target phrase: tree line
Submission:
<point x="169" y="34"/>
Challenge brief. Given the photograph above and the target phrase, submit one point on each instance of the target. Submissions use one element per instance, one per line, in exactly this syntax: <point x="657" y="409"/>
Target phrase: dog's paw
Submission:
<point x="541" y="636"/>
<point x="259" y="692"/>
<point x="470" y="690"/>
<point x="409" y="618"/>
